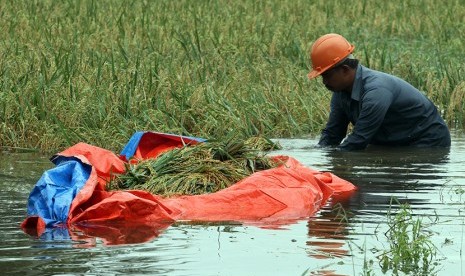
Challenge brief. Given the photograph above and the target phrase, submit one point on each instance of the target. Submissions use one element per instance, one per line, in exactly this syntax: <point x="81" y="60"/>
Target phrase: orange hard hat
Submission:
<point x="327" y="51"/>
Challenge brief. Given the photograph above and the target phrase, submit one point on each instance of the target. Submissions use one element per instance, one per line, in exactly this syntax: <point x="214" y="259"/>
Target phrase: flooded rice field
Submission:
<point x="343" y="238"/>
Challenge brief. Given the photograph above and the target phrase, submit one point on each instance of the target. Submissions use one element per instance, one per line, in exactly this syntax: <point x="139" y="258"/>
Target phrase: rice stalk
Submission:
<point x="205" y="168"/>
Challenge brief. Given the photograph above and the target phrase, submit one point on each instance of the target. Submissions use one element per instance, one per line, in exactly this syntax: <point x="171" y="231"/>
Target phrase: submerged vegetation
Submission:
<point x="407" y="245"/>
<point x="192" y="170"/>
<point x="411" y="251"/>
<point x="97" y="71"/>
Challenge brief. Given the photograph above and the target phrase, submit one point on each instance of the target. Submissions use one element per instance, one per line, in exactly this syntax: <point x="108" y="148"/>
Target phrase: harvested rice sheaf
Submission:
<point x="192" y="170"/>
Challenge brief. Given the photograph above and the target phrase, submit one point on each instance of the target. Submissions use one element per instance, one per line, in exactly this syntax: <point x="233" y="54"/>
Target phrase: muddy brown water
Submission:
<point x="337" y="240"/>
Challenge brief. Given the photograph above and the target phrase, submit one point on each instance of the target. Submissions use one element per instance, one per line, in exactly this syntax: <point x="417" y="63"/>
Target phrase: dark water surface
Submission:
<point x="337" y="240"/>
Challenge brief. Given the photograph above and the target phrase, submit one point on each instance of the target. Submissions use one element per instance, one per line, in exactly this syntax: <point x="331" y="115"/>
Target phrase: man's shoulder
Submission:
<point x="374" y="79"/>
<point x="372" y="73"/>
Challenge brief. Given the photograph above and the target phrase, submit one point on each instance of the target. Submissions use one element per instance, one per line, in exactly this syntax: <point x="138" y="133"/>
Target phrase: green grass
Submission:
<point x="97" y="71"/>
<point x="411" y="251"/>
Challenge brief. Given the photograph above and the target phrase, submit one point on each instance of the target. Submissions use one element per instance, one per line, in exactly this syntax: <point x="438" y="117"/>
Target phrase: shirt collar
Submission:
<point x="357" y="86"/>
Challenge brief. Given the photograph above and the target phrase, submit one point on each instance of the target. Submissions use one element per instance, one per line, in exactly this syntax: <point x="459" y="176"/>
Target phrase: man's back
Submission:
<point x="409" y="115"/>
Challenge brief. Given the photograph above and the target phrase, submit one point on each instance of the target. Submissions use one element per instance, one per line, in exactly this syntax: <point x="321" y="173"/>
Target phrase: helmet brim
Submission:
<point x="313" y="74"/>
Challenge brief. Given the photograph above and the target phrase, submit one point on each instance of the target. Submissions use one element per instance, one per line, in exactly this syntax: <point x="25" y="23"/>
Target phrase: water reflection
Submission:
<point x="329" y="243"/>
<point x="117" y="234"/>
<point x="384" y="177"/>
<point x="327" y="234"/>
<point x="402" y="163"/>
<point x="383" y="173"/>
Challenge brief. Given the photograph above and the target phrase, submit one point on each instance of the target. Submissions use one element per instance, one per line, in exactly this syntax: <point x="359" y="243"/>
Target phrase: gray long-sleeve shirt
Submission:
<point x="385" y="110"/>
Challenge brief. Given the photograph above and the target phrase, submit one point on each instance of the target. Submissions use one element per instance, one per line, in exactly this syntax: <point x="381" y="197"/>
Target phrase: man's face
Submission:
<point x="335" y="79"/>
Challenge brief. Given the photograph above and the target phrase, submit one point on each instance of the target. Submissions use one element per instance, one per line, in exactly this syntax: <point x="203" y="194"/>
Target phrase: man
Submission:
<point x="383" y="109"/>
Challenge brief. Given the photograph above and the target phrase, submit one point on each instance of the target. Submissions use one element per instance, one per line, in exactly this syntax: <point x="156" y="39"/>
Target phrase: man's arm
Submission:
<point x="375" y="104"/>
<point x="336" y="127"/>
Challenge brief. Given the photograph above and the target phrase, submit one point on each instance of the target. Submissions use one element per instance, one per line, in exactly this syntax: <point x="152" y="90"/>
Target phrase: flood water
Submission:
<point x="338" y="240"/>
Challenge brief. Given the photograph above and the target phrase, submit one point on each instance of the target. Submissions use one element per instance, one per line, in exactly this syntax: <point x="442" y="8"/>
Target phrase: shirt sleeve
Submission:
<point x="375" y="104"/>
<point x="336" y="127"/>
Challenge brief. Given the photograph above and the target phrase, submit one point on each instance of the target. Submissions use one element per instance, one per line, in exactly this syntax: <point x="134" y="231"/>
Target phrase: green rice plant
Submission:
<point x="411" y="250"/>
<point x="115" y="67"/>
<point x="367" y="263"/>
<point x="204" y="168"/>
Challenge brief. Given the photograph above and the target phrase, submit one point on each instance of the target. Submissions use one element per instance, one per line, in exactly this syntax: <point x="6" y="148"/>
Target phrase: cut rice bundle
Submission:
<point x="192" y="170"/>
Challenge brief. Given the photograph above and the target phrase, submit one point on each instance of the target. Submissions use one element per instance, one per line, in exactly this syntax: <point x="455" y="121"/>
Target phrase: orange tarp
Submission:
<point x="267" y="198"/>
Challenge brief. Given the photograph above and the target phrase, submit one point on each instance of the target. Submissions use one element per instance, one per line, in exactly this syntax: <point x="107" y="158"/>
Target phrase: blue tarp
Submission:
<point x="53" y="194"/>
